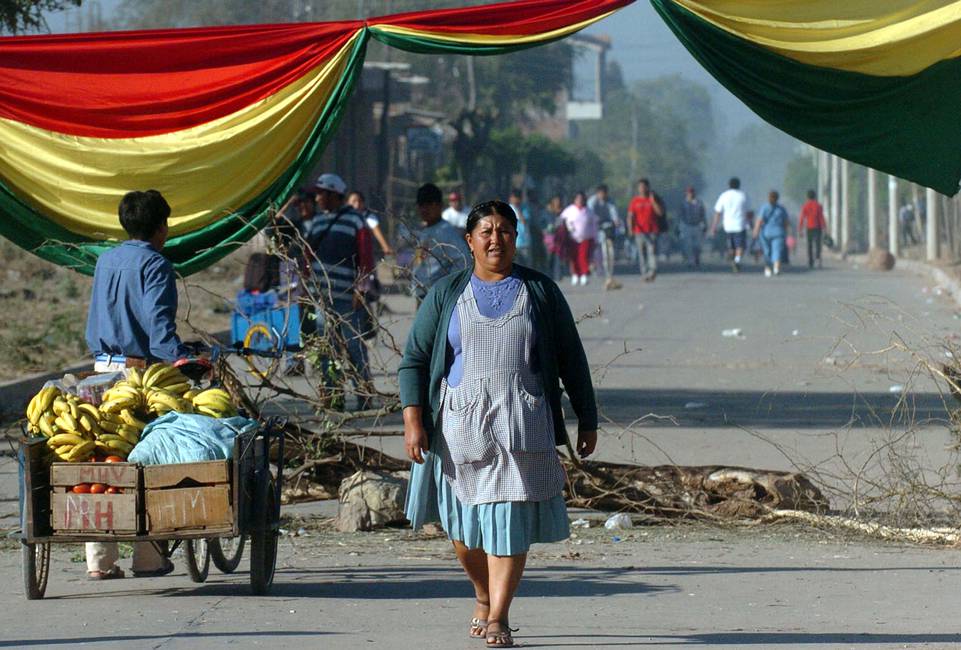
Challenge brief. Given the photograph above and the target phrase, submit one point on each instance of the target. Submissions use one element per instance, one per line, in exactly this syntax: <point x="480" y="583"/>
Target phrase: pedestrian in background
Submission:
<point x="441" y="249"/>
<point x="356" y="200"/>
<point x="772" y="226"/>
<point x="732" y="210"/>
<point x="523" y="228"/>
<point x="481" y="397"/>
<point x="812" y="224"/>
<point x="581" y="225"/>
<point x="556" y="238"/>
<point x="607" y="224"/>
<point x="693" y="224"/>
<point x="643" y="215"/>
<point x="455" y="214"/>
<point x="906" y="218"/>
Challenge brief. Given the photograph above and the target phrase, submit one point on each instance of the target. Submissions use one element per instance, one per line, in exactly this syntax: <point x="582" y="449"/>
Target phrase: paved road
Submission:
<point x="810" y="364"/>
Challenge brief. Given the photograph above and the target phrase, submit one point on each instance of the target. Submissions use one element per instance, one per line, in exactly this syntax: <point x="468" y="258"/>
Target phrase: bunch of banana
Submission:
<point x="75" y="428"/>
<point x="214" y="402"/>
<point x="40" y="409"/>
<point x="71" y="447"/>
<point x="163" y="376"/>
<point x="121" y="432"/>
<point x="122" y="395"/>
<point x="160" y="402"/>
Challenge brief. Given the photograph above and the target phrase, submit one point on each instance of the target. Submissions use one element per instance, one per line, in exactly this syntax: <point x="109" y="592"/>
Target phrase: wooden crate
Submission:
<point x="95" y="513"/>
<point x="189" y="497"/>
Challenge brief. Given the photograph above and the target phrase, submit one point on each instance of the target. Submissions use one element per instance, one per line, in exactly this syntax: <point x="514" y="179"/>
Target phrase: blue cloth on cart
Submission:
<point x="188" y="438"/>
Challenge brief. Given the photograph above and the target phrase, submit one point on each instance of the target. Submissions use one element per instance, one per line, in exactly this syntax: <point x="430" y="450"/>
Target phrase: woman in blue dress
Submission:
<point x="480" y="388"/>
<point x="772" y="224"/>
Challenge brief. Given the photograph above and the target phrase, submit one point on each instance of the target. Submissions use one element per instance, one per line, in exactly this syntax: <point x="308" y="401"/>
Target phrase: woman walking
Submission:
<point x="479" y="384"/>
<point x="772" y="224"/>
<point x="582" y="226"/>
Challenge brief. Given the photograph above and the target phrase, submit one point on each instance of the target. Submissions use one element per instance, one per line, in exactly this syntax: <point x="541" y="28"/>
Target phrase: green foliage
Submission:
<point x="18" y="16"/>
<point x="641" y="135"/>
<point x="801" y="176"/>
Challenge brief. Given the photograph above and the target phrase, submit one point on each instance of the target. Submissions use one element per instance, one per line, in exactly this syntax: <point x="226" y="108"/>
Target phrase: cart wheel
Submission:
<point x="226" y="552"/>
<point x="35" y="561"/>
<point x="260" y="337"/>
<point x="263" y="539"/>
<point x="197" y="552"/>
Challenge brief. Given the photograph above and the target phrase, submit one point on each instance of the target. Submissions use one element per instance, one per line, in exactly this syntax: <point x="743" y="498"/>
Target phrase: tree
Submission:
<point x="18" y="16"/>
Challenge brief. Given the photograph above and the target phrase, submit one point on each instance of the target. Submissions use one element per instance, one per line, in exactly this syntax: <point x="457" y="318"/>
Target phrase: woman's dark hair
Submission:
<point x="143" y="213"/>
<point x="488" y="208"/>
<point x="358" y="194"/>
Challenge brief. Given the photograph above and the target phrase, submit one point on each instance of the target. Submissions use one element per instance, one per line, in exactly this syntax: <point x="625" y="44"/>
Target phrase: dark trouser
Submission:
<point x="907" y="230"/>
<point x="814" y="246"/>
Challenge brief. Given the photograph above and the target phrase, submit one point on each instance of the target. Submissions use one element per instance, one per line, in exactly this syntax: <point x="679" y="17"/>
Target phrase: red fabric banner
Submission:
<point x="129" y="84"/>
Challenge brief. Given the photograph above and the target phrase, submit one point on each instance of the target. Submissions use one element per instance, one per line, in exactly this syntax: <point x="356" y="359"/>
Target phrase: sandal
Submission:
<point x="478" y="626"/>
<point x="112" y="573"/>
<point x="501" y="639"/>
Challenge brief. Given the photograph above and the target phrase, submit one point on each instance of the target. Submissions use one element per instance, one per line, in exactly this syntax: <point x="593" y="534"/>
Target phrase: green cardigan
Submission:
<point x="428" y="355"/>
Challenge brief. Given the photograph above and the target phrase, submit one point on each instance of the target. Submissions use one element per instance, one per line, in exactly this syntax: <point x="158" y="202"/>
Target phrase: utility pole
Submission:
<point x="931" y="200"/>
<point x="835" y="199"/>
<point x="893" y="244"/>
<point x="845" y="235"/>
<point x="872" y="209"/>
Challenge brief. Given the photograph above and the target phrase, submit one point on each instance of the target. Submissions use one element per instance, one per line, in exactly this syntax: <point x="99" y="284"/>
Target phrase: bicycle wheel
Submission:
<point x="263" y="539"/>
<point x="35" y="565"/>
<point x="260" y="337"/>
<point x="226" y="552"/>
<point x="197" y="554"/>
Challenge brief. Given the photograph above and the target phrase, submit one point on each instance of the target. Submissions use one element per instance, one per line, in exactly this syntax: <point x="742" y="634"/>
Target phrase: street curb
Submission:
<point x="943" y="280"/>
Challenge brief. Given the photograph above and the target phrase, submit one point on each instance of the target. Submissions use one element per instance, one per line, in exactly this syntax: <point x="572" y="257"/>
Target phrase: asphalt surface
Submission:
<point x="811" y="374"/>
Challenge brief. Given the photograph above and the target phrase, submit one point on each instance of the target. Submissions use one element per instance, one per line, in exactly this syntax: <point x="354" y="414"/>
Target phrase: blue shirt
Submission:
<point x="774" y="221"/>
<point x="133" y="306"/>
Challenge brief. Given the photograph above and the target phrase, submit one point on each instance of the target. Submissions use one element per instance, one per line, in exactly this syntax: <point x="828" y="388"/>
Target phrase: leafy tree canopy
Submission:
<point x="18" y="16"/>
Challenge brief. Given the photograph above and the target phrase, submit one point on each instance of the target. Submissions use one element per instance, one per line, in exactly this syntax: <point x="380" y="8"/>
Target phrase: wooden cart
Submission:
<point x="250" y="489"/>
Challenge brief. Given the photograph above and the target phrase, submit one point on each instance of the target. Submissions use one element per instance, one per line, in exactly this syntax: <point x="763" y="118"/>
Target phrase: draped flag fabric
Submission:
<point x="225" y="121"/>
<point x="873" y="81"/>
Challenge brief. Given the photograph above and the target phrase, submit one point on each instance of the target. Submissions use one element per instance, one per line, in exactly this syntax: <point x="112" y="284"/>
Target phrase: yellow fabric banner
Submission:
<point x="876" y="37"/>
<point x="205" y="172"/>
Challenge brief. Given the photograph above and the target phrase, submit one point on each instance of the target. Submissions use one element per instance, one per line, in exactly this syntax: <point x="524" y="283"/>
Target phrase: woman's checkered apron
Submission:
<point x="498" y="434"/>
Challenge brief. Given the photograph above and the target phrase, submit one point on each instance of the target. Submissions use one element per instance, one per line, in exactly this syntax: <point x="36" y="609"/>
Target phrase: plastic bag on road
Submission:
<point x="619" y="521"/>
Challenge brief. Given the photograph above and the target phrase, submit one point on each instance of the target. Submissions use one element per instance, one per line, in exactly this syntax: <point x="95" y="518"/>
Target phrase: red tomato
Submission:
<point x="83" y="488"/>
<point x="114" y="490"/>
<point x="114" y="459"/>
<point x="98" y="488"/>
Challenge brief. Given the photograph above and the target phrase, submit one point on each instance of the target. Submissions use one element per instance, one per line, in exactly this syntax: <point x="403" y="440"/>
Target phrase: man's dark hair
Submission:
<point x="429" y="193"/>
<point x="812" y="194"/>
<point x="734" y="183"/>
<point x="488" y="208"/>
<point x="142" y="214"/>
<point x="358" y="194"/>
<point x="645" y="181"/>
<point x="601" y="188"/>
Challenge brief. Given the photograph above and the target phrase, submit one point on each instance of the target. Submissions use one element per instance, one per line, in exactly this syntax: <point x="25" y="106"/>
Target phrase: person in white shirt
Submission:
<point x="356" y="200"/>
<point x="733" y="211"/>
<point x="455" y="214"/>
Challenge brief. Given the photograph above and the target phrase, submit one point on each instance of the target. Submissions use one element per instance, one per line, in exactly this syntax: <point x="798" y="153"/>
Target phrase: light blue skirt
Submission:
<point x="501" y="528"/>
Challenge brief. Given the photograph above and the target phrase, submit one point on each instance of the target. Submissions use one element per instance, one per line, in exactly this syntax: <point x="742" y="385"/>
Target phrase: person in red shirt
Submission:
<point x="811" y="222"/>
<point x="642" y="219"/>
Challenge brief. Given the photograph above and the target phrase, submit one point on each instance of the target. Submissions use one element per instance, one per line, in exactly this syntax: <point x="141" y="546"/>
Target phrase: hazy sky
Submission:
<point x="646" y="49"/>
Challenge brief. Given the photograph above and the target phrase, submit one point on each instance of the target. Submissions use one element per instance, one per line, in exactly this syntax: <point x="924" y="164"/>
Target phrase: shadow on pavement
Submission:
<point x="737" y="639"/>
<point x="384" y="583"/>
<point x="199" y="636"/>
<point x="771" y="410"/>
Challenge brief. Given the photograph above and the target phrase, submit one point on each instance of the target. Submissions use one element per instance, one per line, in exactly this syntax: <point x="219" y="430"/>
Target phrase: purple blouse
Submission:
<point x="494" y="299"/>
